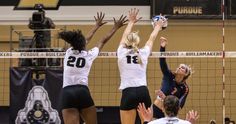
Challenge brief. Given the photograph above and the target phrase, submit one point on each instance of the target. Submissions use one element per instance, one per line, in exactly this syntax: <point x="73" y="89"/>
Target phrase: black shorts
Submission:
<point x="132" y="96"/>
<point x="76" y="96"/>
<point x="157" y="113"/>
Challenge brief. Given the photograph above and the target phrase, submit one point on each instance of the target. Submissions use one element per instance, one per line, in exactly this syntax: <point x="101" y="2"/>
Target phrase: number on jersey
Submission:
<point x="132" y="59"/>
<point x="78" y="62"/>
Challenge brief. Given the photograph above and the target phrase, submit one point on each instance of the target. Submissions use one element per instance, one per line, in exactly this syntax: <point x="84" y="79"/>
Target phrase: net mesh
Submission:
<point x="205" y="84"/>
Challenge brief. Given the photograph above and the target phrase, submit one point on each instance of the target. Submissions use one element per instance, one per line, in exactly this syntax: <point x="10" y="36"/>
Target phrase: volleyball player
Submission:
<point x="76" y="98"/>
<point x="173" y="83"/>
<point x="132" y="63"/>
<point x="171" y="108"/>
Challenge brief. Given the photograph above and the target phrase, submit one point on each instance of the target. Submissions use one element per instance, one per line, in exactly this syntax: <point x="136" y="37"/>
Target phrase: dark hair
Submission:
<point x="75" y="38"/>
<point x="227" y="119"/>
<point x="171" y="105"/>
<point x="213" y="122"/>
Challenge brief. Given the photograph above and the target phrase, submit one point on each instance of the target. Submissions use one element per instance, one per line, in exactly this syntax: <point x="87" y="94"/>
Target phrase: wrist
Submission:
<point x="147" y="119"/>
<point x="158" y="27"/>
<point x="131" y="22"/>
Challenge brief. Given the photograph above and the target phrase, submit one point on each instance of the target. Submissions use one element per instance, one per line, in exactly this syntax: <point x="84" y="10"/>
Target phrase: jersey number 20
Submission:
<point x="79" y="62"/>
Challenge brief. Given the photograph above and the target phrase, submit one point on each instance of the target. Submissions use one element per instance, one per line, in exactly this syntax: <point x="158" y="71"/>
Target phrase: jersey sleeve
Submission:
<point x="93" y="53"/>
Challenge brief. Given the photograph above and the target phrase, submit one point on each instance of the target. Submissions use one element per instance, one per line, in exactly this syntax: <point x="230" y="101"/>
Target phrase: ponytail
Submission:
<point x="132" y="42"/>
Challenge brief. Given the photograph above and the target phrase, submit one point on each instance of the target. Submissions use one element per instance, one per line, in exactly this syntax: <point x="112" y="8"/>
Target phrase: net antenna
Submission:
<point x="223" y="59"/>
<point x="30" y="4"/>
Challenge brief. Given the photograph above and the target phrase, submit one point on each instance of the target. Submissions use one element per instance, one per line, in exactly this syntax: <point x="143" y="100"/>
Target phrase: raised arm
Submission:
<point x="152" y="37"/>
<point x="117" y="25"/>
<point x="163" y="64"/>
<point x="99" y="23"/>
<point x="132" y="20"/>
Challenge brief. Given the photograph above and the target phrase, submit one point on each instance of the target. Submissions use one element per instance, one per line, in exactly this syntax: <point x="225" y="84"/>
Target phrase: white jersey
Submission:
<point x="132" y="73"/>
<point x="77" y="66"/>
<point x="169" y="120"/>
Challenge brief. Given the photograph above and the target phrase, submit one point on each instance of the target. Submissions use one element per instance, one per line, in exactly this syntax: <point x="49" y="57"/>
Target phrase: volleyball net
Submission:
<point x="205" y="84"/>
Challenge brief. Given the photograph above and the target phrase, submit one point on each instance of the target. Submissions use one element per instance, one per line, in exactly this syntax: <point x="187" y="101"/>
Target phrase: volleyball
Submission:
<point x="158" y="17"/>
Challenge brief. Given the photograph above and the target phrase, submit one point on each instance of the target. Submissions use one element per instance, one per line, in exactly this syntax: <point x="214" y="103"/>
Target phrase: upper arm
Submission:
<point x="91" y="33"/>
<point x="93" y="53"/>
<point x="152" y="37"/>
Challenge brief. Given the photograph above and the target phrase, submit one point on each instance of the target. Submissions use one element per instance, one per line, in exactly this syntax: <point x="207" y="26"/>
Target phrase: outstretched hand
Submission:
<point x="99" y="19"/>
<point x="160" y="23"/>
<point x="146" y="114"/>
<point x="192" y="116"/>
<point x="163" y="41"/>
<point x="121" y="22"/>
<point x="133" y="15"/>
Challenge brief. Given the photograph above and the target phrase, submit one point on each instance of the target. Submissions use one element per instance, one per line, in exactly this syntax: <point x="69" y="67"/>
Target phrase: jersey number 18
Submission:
<point x="132" y="59"/>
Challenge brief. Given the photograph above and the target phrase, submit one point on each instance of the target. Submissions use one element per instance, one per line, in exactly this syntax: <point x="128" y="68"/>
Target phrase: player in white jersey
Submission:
<point x="171" y="108"/>
<point x="76" y="99"/>
<point x="132" y="63"/>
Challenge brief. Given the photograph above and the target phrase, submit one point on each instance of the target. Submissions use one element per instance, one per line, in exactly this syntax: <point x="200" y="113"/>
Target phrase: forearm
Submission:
<point x="91" y="33"/>
<point x="129" y="28"/>
<point x="154" y="33"/>
<point x="127" y="31"/>
<point x="163" y="64"/>
<point x="153" y="36"/>
<point x="104" y="40"/>
<point x="110" y="34"/>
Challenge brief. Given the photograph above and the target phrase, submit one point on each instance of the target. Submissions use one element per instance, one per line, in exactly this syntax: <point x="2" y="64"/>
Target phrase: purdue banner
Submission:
<point x="187" y="8"/>
<point x="38" y="109"/>
<point x="35" y="101"/>
<point x="53" y="85"/>
<point x="20" y="85"/>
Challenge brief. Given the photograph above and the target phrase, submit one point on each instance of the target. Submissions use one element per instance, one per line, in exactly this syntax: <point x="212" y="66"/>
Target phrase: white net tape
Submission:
<point x="184" y="54"/>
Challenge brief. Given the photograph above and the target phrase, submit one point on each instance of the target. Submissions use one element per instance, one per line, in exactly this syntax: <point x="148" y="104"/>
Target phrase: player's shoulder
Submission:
<point x="94" y="49"/>
<point x="93" y="52"/>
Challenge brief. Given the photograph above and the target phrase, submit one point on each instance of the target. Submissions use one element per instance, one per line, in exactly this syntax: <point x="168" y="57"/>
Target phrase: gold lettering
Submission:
<point x="200" y="10"/>
<point x="175" y="10"/>
<point x="196" y="10"/>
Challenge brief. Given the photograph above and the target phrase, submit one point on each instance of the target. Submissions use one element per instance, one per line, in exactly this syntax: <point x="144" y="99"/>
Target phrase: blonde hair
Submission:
<point x="132" y="42"/>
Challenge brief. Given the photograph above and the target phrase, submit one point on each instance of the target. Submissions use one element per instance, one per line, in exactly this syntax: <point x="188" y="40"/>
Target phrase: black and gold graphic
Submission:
<point x="38" y="109"/>
<point x="38" y="114"/>
<point x="29" y="4"/>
